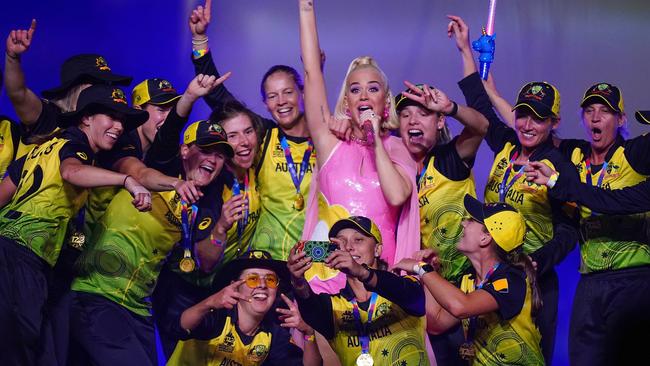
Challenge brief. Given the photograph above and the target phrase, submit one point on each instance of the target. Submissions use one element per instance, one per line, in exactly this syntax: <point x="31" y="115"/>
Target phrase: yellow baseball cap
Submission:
<point x="504" y="223"/>
<point x="206" y="134"/>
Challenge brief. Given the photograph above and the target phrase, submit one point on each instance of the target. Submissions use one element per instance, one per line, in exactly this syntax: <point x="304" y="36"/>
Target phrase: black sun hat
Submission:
<point x="254" y="259"/>
<point x="643" y="117"/>
<point x="98" y="98"/>
<point x="85" y="68"/>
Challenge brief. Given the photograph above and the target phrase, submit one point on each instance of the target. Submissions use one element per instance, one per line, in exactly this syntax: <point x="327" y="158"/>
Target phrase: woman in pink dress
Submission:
<point x="371" y="174"/>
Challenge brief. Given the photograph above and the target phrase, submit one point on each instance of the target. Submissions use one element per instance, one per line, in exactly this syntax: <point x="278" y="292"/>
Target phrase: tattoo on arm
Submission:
<point x="322" y="113"/>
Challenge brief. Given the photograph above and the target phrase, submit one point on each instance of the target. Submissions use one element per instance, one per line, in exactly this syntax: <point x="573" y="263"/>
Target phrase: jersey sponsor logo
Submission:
<point x="427" y="182"/>
<point x="353" y="341"/>
<point x="82" y="155"/>
<point x="228" y="344"/>
<point x="205" y="223"/>
<point x="258" y="353"/>
<point x="423" y="201"/>
<point x="173" y="219"/>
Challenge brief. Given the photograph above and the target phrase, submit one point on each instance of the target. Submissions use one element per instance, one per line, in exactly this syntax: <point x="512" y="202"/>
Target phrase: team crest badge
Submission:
<point x="166" y="86"/>
<point x="118" y="96"/>
<point x="101" y="64"/>
<point x="258" y="353"/>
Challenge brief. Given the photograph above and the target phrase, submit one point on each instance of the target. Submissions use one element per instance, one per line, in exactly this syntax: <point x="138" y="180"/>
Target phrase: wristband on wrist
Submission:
<point x="200" y="53"/>
<point x="15" y="57"/>
<point x="309" y="338"/>
<point x="454" y="109"/>
<point x="422" y="268"/>
<point x="216" y="242"/>
<point x="552" y="180"/>
<point x="125" y="178"/>
<point x="199" y="41"/>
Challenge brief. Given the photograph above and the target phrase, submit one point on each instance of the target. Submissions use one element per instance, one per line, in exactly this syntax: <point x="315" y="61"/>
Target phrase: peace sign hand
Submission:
<point x="291" y="317"/>
<point x="19" y="40"/>
<point x="227" y="298"/>
<point x="430" y="97"/>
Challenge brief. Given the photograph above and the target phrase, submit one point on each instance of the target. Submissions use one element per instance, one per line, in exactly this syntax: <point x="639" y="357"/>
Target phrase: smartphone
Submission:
<point x="319" y="250"/>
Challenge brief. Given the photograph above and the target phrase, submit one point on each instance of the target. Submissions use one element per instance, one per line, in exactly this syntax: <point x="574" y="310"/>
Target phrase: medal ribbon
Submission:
<point x="471" y="329"/>
<point x="188" y="215"/>
<point x="80" y="220"/>
<point x="364" y="338"/>
<point x="241" y="223"/>
<point x="601" y="176"/>
<point x="505" y="186"/>
<point x="295" y="176"/>
<point x="421" y="175"/>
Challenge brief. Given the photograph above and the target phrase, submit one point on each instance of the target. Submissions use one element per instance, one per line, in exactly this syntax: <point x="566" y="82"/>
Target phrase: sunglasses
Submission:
<point x="254" y="280"/>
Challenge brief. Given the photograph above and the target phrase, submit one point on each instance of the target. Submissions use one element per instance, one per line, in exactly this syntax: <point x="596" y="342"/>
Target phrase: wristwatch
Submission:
<point x="422" y="268"/>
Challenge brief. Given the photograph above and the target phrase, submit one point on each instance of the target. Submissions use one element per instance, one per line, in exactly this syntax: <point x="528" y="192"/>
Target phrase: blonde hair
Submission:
<point x="392" y="122"/>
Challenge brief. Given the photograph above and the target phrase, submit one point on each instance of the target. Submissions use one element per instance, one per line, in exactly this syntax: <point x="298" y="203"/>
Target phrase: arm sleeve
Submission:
<point x="79" y="151"/>
<point x="565" y="232"/>
<point x="283" y="351"/>
<point x="509" y="290"/>
<point x="476" y="97"/>
<point x="45" y="124"/>
<point x="164" y="148"/>
<point x="448" y="162"/>
<point x="316" y="310"/>
<point x="406" y="292"/>
<point x="637" y="151"/>
<point x="15" y="169"/>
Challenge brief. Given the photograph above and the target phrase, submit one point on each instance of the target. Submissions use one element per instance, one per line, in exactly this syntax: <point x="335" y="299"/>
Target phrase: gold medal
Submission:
<point x="78" y="240"/>
<point x="299" y="203"/>
<point x="365" y="359"/>
<point x="187" y="264"/>
<point x="467" y="351"/>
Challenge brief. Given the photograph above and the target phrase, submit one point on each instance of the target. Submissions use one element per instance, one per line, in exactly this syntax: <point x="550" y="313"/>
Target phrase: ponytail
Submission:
<point x="518" y="259"/>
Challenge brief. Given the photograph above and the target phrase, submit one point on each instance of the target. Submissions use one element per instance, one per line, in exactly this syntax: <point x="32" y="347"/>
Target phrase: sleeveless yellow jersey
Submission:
<point x="396" y="337"/>
<point x="508" y="336"/>
<point x="441" y="207"/>
<point x="236" y="245"/>
<point x="280" y="225"/>
<point x="128" y="248"/>
<point x="610" y="242"/>
<point x="530" y="199"/>
<point x="39" y="211"/>
<point x="226" y="349"/>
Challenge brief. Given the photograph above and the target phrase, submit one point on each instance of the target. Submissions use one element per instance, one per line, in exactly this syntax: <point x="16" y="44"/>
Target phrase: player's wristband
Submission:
<point x="422" y="268"/>
<point x="454" y="109"/>
<point x="200" y="53"/>
<point x="309" y="338"/>
<point x="552" y="180"/>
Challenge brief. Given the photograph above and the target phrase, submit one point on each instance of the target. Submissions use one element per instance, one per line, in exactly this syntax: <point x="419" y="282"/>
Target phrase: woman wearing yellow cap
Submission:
<point x="551" y="234"/>
<point x="497" y="302"/>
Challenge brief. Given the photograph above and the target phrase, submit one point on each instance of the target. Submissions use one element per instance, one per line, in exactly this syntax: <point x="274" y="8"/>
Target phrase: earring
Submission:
<point x="386" y="111"/>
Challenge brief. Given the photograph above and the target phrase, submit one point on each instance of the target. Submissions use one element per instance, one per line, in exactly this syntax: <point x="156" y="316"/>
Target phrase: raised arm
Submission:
<point x="27" y="104"/>
<point x="317" y="112"/>
<point x="475" y="123"/>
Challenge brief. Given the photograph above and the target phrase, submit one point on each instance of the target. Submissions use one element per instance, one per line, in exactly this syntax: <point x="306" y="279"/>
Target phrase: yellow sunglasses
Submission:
<point x="254" y="280"/>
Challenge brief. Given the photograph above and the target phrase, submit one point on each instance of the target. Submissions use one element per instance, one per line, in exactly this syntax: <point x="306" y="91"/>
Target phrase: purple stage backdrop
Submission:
<point x="572" y="44"/>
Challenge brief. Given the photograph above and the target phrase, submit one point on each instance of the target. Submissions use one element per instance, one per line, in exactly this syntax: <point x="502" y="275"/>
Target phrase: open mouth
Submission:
<point x="364" y="108"/>
<point x="260" y="296"/>
<point x="415" y="136"/>
<point x="244" y="152"/>
<point x="208" y="169"/>
<point x="112" y="135"/>
<point x="596" y="133"/>
<point x="283" y="112"/>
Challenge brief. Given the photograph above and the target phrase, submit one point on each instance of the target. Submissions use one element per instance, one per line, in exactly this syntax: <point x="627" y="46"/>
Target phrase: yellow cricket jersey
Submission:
<point x="611" y="242"/>
<point x="509" y="335"/>
<point x="9" y="141"/>
<point x="128" y="248"/>
<point x="396" y="337"/>
<point x="280" y="225"/>
<point x="39" y="211"/>
<point x="441" y="189"/>
<point x="226" y="349"/>
<point x="236" y="245"/>
<point x="530" y="199"/>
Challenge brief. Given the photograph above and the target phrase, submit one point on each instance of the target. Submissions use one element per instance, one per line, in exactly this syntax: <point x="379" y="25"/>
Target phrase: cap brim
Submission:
<point x="643" y="117"/>
<point x="595" y="98"/>
<point x="132" y="118"/>
<point x="474" y="207"/>
<point x="93" y="78"/>
<point x="162" y="99"/>
<point x="233" y="268"/>
<point x="540" y="110"/>
<point x="348" y="224"/>
<point x="212" y="144"/>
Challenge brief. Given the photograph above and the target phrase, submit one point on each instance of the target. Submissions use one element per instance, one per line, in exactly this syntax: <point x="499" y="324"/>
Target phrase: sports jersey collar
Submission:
<point x="265" y="325"/>
<point x="296" y="139"/>
<point x="502" y="268"/>
<point x="540" y="152"/>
